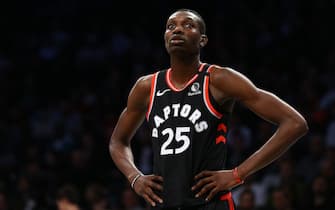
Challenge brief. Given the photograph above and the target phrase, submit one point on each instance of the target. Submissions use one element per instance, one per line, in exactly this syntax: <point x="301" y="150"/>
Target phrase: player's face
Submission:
<point x="182" y="33"/>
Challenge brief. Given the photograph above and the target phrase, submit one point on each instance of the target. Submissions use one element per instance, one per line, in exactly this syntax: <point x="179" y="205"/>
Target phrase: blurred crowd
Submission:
<point x="65" y="76"/>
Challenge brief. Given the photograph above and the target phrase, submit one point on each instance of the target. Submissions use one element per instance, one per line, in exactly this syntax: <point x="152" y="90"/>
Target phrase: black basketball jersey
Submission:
<point x="188" y="132"/>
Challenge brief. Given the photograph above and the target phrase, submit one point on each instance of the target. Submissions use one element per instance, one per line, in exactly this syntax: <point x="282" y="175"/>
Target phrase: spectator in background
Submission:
<point x="312" y="158"/>
<point x="330" y="130"/>
<point x="327" y="170"/>
<point x="4" y="204"/>
<point x="246" y="200"/>
<point x="68" y="198"/>
<point x="25" y="193"/>
<point x="96" y="195"/>
<point x="256" y="186"/>
<point x="239" y="141"/>
<point x="130" y="200"/>
<point x="318" y="195"/>
<point x="287" y="180"/>
<point x="280" y="200"/>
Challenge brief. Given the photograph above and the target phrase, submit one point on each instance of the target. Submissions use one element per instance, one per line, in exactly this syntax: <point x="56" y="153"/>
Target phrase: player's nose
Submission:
<point x="178" y="29"/>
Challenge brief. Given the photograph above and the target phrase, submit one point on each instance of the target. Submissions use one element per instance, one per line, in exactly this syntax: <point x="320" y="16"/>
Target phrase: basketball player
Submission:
<point x="187" y="108"/>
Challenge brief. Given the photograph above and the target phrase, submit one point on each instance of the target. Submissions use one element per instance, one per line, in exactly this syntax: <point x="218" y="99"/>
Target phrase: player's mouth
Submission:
<point x="177" y="40"/>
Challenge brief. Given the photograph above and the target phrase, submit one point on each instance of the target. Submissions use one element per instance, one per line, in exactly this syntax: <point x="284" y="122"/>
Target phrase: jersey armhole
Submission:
<point x="207" y="96"/>
<point x="152" y="94"/>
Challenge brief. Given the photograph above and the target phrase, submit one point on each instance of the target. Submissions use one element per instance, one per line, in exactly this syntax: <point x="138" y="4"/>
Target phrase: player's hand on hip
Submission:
<point x="209" y="183"/>
<point x="146" y="186"/>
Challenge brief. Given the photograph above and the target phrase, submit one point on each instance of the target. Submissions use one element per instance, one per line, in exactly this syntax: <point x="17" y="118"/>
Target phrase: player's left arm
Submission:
<point x="291" y="126"/>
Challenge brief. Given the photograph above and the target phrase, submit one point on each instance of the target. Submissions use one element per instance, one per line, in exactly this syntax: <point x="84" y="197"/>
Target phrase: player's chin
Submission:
<point x="177" y="49"/>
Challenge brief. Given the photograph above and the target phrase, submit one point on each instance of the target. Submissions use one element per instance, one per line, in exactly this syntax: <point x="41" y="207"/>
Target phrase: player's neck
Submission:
<point x="182" y="71"/>
<point x="186" y="64"/>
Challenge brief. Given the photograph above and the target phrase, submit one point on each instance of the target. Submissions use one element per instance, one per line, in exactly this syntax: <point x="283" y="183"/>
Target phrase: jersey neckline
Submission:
<point x="174" y="88"/>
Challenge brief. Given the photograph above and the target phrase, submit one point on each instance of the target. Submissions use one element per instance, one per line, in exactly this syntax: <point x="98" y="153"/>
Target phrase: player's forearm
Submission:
<point x="286" y="135"/>
<point x="123" y="159"/>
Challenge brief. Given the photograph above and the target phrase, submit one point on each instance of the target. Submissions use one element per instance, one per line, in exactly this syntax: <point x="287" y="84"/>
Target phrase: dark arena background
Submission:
<point x="66" y="68"/>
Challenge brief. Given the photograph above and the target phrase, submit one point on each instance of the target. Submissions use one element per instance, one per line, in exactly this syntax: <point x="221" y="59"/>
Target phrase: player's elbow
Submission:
<point x="300" y="125"/>
<point x="112" y="146"/>
<point x="114" y="150"/>
<point x="116" y="145"/>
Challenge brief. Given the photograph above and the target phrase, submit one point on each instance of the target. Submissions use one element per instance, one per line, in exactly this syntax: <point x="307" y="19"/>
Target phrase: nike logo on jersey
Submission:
<point x="162" y="92"/>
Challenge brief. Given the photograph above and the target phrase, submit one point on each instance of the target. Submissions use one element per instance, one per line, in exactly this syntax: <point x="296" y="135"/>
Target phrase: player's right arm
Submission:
<point x="129" y="121"/>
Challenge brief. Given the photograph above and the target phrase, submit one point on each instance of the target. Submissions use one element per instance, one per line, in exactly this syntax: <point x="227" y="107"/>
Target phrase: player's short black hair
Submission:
<point x="202" y="24"/>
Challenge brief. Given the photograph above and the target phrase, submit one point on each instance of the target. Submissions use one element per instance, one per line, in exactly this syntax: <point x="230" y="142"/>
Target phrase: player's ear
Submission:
<point x="203" y="40"/>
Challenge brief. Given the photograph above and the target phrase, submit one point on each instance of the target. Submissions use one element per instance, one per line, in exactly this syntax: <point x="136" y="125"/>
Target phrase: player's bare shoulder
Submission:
<point x="229" y="82"/>
<point x="218" y="73"/>
<point x="144" y="82"/>
<point x="139" y="95"/>
<point x="219" y="76"/>
<point x="226" y="75"/>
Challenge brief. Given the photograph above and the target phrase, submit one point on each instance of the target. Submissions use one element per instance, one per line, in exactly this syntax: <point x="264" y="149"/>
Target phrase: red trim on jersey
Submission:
<point x="201" y="67"/>
<point x="168" y="80"/>
<point x="220" y="139"/>
<point x="152" y="94"/>
<point x="206" y="96"/>
<point x="222" y="127"/>
<point x="227" y="197"/>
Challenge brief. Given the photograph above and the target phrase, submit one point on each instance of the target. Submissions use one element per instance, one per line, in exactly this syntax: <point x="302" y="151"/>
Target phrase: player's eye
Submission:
<point x="188" y="25"/>
<point x="171" y="26"/>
